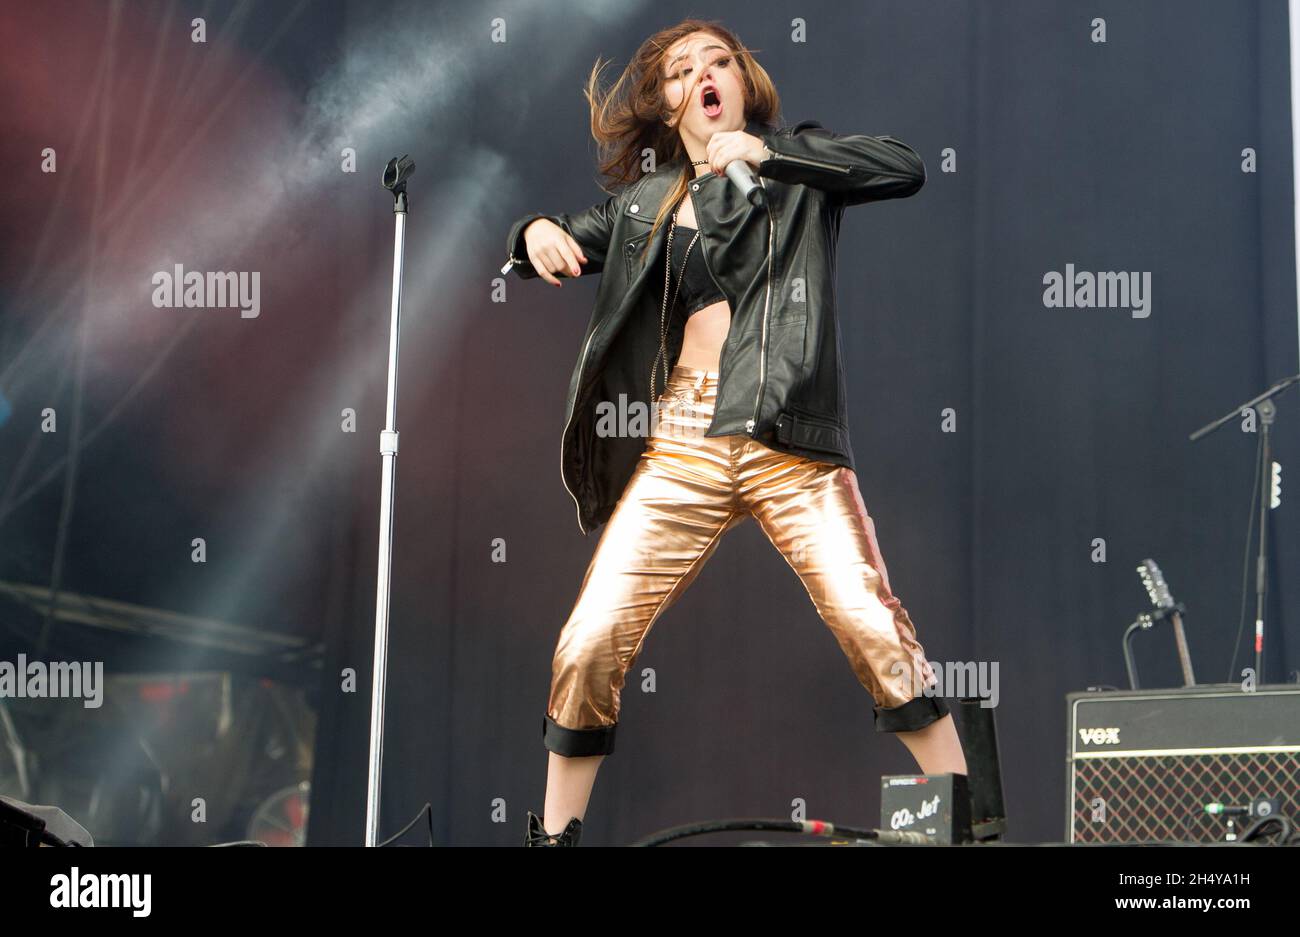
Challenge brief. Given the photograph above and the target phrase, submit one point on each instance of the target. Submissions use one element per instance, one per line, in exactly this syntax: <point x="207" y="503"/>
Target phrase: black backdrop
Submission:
<point x="1043" y="148"/>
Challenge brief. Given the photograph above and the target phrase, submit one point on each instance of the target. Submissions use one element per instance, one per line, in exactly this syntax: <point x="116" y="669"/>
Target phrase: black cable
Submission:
<point x="427" y="808"/>
<point x="806" y="827"/>
<point x="1287" y="836"/>
<point x="1255" y="830"/>
<point x="1245" y="563"/>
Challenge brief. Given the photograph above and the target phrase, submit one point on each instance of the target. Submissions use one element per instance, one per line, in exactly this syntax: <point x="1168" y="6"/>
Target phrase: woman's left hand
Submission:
<point x="727" y="145"/>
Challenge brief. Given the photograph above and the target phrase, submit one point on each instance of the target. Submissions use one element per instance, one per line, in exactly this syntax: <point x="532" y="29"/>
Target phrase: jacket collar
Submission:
<point x="653" y="189"/>
<point x="650" y="193"/>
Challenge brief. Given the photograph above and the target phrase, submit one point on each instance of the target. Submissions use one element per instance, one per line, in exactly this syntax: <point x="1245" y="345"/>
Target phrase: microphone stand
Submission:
<point x="1267" y="411"/>
<point x="395" y="175"/>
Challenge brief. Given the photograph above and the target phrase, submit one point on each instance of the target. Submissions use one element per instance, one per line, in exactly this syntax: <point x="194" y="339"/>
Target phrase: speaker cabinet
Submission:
<point x="1144" y="764"/>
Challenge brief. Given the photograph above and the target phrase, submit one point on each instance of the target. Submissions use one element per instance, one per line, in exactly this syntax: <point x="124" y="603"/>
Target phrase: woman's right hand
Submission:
<point x="551" y="250"/>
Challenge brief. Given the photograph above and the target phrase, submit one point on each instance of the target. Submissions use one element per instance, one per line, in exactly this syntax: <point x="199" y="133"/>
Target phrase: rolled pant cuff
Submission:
<point x="914" y="714"/>
<point x="577" y="743"/>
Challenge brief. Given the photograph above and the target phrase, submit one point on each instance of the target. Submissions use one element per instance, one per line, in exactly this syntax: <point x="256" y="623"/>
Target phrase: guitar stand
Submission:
<point x="1145" y="622"/>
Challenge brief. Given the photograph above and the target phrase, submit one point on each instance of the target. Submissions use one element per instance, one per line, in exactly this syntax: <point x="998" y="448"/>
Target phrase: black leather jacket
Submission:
<point x="780" y="378"/>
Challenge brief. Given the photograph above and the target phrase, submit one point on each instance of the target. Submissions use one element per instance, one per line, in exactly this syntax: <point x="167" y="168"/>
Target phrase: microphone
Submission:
<point x="742" y="176"/>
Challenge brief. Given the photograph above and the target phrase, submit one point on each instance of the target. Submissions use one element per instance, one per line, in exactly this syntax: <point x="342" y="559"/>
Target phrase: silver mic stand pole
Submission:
<point x="395" y="175"/>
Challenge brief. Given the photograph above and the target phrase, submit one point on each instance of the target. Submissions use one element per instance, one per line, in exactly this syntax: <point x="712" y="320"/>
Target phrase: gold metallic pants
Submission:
<point x="685" y="493"/>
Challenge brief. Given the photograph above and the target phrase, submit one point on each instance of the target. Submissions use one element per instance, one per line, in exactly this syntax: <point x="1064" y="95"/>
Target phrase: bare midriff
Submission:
<point x="706" y="330"/>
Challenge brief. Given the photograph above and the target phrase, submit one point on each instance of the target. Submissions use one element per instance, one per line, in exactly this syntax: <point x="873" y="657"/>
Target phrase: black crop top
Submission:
<point x="698" y="289"/>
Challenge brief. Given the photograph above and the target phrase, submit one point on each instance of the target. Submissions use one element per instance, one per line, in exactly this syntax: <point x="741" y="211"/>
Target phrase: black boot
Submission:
<point x="537" y="835"/>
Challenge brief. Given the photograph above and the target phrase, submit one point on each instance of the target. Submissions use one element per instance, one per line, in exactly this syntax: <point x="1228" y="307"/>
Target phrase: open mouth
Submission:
<point x="711" y="102"/>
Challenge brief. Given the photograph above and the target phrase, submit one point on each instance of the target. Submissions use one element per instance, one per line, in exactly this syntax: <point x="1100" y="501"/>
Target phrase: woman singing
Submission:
<point x="715" y="315"/>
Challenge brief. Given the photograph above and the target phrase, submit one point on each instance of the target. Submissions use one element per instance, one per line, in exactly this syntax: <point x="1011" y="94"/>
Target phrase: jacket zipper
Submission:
<point x="835" y="167"/>
<point x="767" y="303"/>
<point x="749" y="424"/>
<point x="569" y="419"/>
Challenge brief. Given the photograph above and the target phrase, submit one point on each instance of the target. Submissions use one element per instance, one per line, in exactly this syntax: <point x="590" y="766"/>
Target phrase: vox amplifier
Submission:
<point x="1185" y="765"/>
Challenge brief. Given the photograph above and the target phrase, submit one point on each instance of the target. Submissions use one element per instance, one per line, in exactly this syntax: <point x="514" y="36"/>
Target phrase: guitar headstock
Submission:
<point x="1155" y="584"/>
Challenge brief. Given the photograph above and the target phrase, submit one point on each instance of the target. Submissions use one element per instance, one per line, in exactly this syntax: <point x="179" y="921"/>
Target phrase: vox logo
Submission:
<point x="1109" y="736"/>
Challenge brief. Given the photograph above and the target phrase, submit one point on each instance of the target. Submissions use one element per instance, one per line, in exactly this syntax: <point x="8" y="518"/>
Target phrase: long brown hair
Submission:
<point x="627" y="120"/>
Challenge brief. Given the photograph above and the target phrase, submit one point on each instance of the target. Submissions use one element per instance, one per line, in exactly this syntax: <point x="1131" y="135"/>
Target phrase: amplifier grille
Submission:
<point x="1163" y="797"/>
